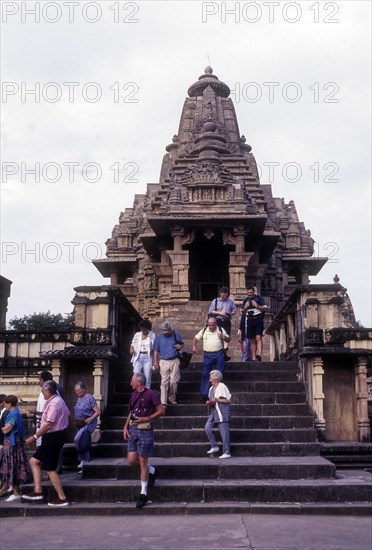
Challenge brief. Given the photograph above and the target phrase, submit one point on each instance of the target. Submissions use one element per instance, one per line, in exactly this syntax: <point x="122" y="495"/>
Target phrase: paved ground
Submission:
<point x="180" y="532"/>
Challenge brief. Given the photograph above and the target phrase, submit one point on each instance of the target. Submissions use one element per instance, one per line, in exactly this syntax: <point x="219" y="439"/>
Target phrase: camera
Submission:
<point x="250" y="311"/>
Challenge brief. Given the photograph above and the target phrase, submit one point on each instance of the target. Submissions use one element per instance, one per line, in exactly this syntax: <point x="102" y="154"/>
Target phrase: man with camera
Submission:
<point x="222" y="308"/>
<point x="213" y="339"/>
<point x="144" y="408"/>
<point x="251" y="323"/>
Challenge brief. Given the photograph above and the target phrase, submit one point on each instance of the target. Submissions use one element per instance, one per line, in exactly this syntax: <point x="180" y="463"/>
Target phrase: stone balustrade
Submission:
<point x="316" y="325"/>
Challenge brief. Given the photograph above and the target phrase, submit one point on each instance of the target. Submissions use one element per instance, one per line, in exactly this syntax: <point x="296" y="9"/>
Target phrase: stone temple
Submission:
<point x="209" y="221"/>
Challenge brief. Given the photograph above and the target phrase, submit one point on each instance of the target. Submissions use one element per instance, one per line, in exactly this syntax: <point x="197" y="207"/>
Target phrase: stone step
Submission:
<point x="348" y="454"/>
<point x="193" y="385"/>
<point x="349" y="487"/>
<point x="238" y="410"/>
<point x="249" y="366"/>
<point x="290" y="386"/>
<point x="238" y="398"/>
<point x="153" y="508"/>
<point x="247" y="422"/>
<point x="196" y="449"/>
<point x="194" y="435"/>
<point x="214" y="468"/>
<point x="233" y="376"/>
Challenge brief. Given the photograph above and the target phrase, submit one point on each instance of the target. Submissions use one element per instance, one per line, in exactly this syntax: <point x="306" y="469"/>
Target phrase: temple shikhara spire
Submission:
<point x="209" y="221"/>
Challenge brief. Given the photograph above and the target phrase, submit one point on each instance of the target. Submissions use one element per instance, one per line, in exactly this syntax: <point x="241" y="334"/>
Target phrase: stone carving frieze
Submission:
<point x="208" y="233"/>
<point x="188" y="238"/>
<point x="204" y="172"/>
<point x="228" y="238"/>
<point x="251" y="207"/>
<point x="335" y="336"/>
<point x="314" y="337"/>
<point x="208" y="194"/>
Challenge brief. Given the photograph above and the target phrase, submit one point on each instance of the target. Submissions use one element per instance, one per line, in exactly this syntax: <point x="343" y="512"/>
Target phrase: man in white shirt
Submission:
<point x="213" y="339"/>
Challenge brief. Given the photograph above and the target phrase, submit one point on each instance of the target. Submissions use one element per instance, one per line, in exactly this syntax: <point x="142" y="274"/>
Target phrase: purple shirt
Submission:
<point x="143" y="403"/>
<point x="55" y="411"/>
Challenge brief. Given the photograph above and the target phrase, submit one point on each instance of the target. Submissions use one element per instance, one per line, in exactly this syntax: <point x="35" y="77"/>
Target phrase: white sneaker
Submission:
<point x="80" y="466"/>
<point x="213" y="450"/>
<point x="12" y="498"/>
<point x="225" y="455"/>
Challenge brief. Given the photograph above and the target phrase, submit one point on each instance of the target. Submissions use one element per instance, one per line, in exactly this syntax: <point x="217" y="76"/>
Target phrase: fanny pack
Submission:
<point x="141" y="425"/>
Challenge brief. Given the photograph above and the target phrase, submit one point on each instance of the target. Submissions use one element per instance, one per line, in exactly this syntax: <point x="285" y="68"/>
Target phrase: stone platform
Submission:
<point x="275" y="467"/>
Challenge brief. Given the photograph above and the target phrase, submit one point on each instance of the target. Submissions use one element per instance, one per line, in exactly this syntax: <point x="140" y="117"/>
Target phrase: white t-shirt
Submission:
<point x="220" y="391"/>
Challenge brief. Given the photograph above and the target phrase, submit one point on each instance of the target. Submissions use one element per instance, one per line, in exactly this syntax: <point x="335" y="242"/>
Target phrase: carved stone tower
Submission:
<point x="208" y="221"/>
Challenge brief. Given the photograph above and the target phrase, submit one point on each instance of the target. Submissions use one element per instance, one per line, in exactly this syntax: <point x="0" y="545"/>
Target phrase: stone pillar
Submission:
<point x="100" y="382"/>
<point x="114" y="278"/>
<point x="277" y="343"/>
<point x="237" y="272"/>
<point x="57" y="371"/>
<point x="283" y="340"/>
<point x="272" y="347"/>
<point x="291" y="338"/>
<point x="305" y="279"/>
<point x="318" y="395"/>
<point x="364" y="429"/>
<point x="312" y="313"/>
<point x="180" y="268"/>
<point x="177" y="242"/>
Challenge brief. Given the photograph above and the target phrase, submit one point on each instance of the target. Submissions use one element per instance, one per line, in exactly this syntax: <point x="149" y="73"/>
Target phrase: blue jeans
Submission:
<point x="144" y="364"/>
<point x="224" y="432"/>
<point x="246" y="354"/>
<point x="90" y="427"/>
<point x="211" y="361"/>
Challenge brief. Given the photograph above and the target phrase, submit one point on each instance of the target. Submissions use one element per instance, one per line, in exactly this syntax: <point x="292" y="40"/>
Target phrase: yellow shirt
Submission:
<point x="211" y="341"/>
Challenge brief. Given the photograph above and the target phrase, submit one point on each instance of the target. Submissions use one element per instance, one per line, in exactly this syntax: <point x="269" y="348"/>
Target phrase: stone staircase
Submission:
<point x="275" y="464"/>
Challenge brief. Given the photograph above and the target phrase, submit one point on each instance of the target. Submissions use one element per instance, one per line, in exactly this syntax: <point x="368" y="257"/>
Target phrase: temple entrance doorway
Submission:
<point x="209" y="265"/>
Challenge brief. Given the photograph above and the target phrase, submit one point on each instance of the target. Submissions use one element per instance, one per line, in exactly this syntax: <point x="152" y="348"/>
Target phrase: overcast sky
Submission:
<point x="92" y="93"/>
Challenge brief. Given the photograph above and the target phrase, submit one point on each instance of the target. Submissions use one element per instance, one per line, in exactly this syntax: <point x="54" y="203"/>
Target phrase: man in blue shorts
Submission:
<point x="144" y="408"/>
<point x="251" y="323"/>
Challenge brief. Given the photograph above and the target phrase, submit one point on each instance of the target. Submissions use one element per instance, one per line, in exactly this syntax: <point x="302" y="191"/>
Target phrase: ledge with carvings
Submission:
<point x="290" y="306"/>
<point x="76" y="336"/>
<point x="336" y="340"/>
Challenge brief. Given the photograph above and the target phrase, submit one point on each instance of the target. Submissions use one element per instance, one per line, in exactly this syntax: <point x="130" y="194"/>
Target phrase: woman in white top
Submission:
<point x="219" y="413"/>
<point x="141" y="350"/>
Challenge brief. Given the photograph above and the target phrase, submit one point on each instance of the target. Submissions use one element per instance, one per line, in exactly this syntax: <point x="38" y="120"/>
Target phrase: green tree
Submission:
<point x="42" y="321"/>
